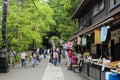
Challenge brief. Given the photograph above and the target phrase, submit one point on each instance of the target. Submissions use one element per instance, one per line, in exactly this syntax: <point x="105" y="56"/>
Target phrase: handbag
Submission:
<point x="25" y="56"/>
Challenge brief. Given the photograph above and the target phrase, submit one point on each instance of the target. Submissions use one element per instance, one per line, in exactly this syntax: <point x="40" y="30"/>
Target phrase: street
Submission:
<point x="43" y="71"/>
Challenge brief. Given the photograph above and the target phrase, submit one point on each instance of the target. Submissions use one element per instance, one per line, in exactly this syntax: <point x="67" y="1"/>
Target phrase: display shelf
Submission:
<point x="115" y="71"/>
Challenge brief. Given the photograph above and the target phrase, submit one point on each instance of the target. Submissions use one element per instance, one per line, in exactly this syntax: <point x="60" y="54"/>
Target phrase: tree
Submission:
<point x="27" y="23"/>
<point x="54" y="40"/>
<point x="63" y="11"/>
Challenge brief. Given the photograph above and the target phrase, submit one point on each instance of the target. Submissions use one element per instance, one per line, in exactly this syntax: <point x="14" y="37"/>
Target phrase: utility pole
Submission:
<point x="3" y="51"/>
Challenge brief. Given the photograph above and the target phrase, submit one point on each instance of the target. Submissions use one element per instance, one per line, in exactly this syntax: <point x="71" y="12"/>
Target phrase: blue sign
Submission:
<point x="103" y="34"/>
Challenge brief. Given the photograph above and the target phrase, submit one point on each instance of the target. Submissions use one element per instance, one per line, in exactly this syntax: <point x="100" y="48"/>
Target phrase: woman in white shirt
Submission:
<point x="23" y="59"/>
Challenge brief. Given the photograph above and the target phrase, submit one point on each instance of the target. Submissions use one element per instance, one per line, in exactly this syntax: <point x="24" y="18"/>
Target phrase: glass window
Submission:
<point x="81" y="23"/>
<point x="111" y="3"/>
<point x="101" y="5"/>
<point x="117" y="1"/>
<point x="95" y="10"/>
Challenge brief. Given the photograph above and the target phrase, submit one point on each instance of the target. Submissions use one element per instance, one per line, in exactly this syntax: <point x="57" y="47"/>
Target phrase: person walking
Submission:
<point x="23" y="59"/>
<point x="44" y="53"/>
<point x="69" y="58"/>
<point x="66" y="56"/>
<point x="55" y="56"/>
<point x="12" y="55"/>
<point x="59" y="54"/>
<point x="34" y="58"/>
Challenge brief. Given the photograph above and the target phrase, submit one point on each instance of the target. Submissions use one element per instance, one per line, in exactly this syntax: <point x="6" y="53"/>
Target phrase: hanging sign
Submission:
<point x="103" y="34"/>
<point x="97" y="36"/>
<point x="78" y="40"/>
<point x="84" y="41"/>
<point x="69" y="44"/>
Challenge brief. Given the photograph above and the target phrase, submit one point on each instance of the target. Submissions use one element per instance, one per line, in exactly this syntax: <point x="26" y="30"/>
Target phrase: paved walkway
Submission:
<point x="53" y="73"/>
<point x="43" y="71"/>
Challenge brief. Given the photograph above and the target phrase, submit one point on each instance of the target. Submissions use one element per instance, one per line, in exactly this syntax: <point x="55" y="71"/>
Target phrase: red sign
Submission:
<point x="69" y="44"/>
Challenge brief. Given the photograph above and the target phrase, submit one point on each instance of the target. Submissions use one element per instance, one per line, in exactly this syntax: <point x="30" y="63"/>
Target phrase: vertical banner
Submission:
<point x="103" y="35"/>
<point x="78" y="40"/>
<point x="97" y="36"/>
<point x="84" y="41"/>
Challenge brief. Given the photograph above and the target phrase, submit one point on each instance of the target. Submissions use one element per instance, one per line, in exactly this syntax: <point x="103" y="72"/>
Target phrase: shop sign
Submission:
<point x="78" y="40"/>
<point x="69" y="44"/>
<point x="97" y="36"/>
<point x="84" y="41"/>
<point x="103" y="34"/>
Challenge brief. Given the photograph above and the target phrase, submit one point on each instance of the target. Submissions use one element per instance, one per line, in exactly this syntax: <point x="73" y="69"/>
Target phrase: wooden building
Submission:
<point x="99" y="27"/>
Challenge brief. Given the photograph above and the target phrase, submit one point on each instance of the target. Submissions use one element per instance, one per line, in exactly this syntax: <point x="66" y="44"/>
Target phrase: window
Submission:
<point x="117" y="1"/>
<point x="95" y="10"/>
<point x="81" y="24"/>
<point x="112" y="3"/>
<point x="101" y="5"/>
<point x="98" y="7"/>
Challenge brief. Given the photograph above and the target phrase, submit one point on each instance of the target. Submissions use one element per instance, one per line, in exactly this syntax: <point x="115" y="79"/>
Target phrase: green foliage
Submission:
<point x="27" y="23"/>
<point x="63" y="11"/>
<point x="33" y="20"/>
<point x="18" y="59"/>
<point x="55" y="40"/>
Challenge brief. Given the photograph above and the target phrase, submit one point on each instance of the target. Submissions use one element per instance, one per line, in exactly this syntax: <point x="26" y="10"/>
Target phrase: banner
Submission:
<point x="103" y="34"/>
<point x="97" y="36"/>
<point x="84" y="41"/>
<point x="69" y="44"/>
<point x="79" y="40"/>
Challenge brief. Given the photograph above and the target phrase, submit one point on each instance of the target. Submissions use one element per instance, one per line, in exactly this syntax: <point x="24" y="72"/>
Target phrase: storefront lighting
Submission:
<point x="108" y="27"/>
<point x="89" y="34"/>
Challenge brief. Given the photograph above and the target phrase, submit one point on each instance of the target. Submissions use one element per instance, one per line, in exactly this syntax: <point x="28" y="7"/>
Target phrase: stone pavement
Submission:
<point x="43" y="71"/>
<point x="53" y="73"/>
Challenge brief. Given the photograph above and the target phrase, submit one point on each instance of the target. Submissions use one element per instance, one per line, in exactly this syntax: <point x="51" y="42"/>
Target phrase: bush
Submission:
<point x="18" y="59"/>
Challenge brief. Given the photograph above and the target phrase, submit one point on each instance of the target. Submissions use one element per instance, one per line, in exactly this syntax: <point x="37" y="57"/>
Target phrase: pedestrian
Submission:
<point x="59" y="54"/>
<point x="44" y="53"/>
<point x="34" y="58"/>
<point x="23" y="59"/>
<point x="55" y="56"/>
<point x="66" y="56"/>
<point x="51" y="56"/>
<point x="69" y="58"/>
<point x="12" y="55"/>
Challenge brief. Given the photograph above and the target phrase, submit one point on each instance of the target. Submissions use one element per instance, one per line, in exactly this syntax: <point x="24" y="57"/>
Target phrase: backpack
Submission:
<point x="56" y="56"/>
